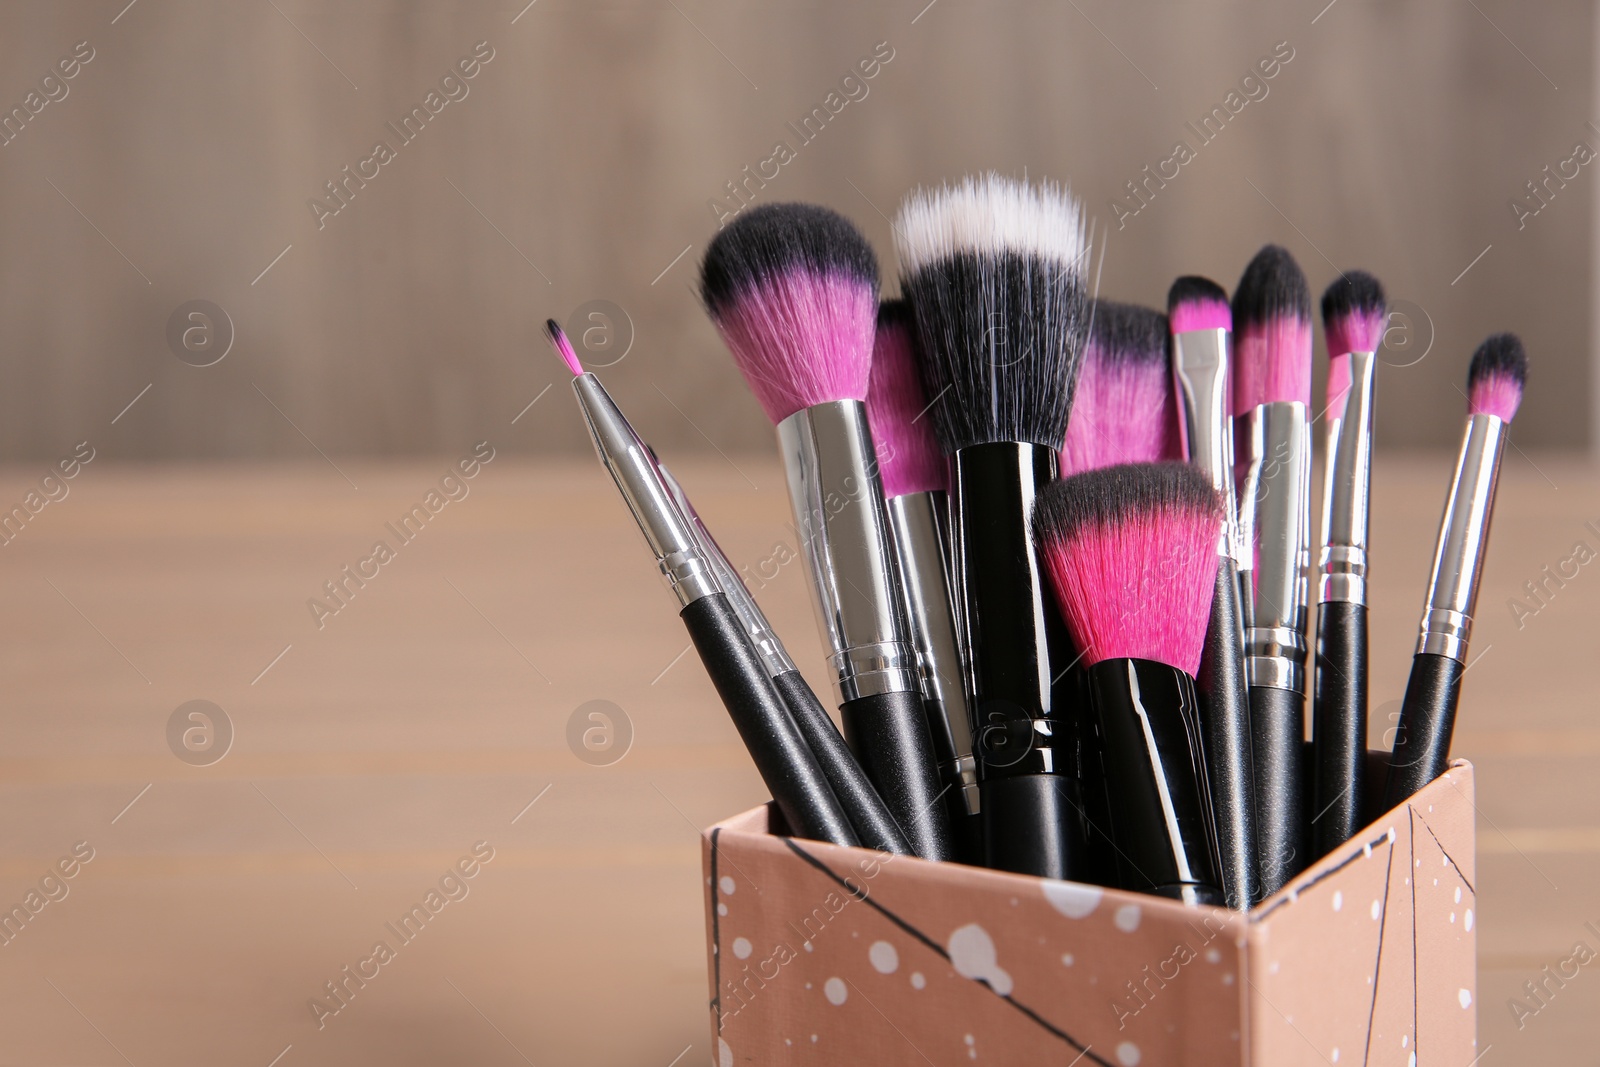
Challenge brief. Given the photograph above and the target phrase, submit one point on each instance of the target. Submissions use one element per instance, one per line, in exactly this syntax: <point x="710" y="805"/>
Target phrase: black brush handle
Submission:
<point x="889" y="735"/>
<point x="1155" y="774"/>
<point x="1225" y="725"/>
<point x="1427" y="719"/>
<point x="867" y="813"/>
<point x="1278" y="729"/>
<point x="1029" y="823"/>
<point x="1338" y="725"/>
<point x="769" y="732"/>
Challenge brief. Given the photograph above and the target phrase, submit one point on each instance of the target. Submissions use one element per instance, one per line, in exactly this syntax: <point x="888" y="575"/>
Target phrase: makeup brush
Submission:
<point x="1428" y="712"/>
<point x="1354" y="313"/>
<point x="1201" y="322"/>
<point x="785" y="762"/>
<point x="1271" y="400"/>
<point x="1122" y="410"/>
<point x="793" y="289"/>
<point x="916" y="477"/>
<point x="865" y="809"/>
<point x="994" y="272"/>
<point x="1132" y="556"/>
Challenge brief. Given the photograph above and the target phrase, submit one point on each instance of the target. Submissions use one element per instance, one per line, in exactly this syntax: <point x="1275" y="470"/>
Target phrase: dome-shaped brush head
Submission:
<point x="1354" y="313"/>
<point x="793" y="289"/>
<point x="1496" y="377"/>
<point x="1123" y="410"/>
<point x="1196" y="303"/>
<point x="1271" y="332"/>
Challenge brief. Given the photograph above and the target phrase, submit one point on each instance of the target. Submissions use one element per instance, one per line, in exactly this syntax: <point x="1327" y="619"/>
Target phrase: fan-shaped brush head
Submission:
<point x="1494" y="381"/>
<point x="1354" y="312"/>
<point x="1131" y="554"/>
<point x="897" y="410"/>
<point x="1196" y="303"/>
<point x="994" y="271"/>
<point x="793" y="289"/>
<point x="1272" y="332"/>
<point x="1123" y="410"/>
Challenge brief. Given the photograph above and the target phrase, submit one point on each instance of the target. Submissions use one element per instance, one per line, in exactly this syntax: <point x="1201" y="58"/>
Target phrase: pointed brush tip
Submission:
<point x="563" y="347"/>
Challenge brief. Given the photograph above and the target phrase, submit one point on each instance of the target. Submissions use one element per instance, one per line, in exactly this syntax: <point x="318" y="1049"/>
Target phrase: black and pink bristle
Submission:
<point x="1123" y="410"/>
<point x="563" y="346"/>
<point x="909" y="458"/>
<point x="1496" y="378"/>
<point x="1354" y="314"/>
<point x="1271" y="332"/>
<point x="1131" y="555"/>
<point x="1197" y="303"/>
<point x="793" y="289"/>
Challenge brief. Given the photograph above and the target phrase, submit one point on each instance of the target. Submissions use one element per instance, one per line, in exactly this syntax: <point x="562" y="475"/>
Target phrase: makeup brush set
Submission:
<point x="1060" y="549"/>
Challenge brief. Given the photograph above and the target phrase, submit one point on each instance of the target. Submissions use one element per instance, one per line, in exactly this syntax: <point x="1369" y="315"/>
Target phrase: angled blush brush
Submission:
<point x="793" y="290"/>
<point x="1123" y="409"/>
<point x="1271" y="397"/>
<point x="865" y="809"/>
<point x="994" y="272"/>
<point x="1201" y="322"/>
<point x="787" y="766"/>
<point x="1132" y="556"/>
<point x="1354" y="312"/>
<point x="1421" y="752"/>
<point x="916" y="479"/>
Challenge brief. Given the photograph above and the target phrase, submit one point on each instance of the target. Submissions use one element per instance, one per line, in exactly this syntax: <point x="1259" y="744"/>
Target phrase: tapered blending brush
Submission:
<point x="1132" y="556"/>
<point x="1201" y="323"/>
<point x="994" y="272"/>
<point x="793" y="289"/>
<point x="1428" y="711"/>
<point x="781" y="755"/>
<point x="865" y="809"/>
<point x="1271" y="396"/>
<point x="1354" y="312"/>
<point x="916" y="477"/>
<point x="1122" y="410"/>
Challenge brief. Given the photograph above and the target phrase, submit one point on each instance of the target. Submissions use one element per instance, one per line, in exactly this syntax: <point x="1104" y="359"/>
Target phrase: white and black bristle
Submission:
<point x="994" y="270"/>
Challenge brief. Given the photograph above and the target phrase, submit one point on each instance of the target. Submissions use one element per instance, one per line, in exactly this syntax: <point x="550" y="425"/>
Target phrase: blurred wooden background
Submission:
<point x="579" y="167"/>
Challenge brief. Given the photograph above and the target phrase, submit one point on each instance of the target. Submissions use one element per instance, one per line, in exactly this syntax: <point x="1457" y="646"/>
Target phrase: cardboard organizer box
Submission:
<point x="826" y="955"/>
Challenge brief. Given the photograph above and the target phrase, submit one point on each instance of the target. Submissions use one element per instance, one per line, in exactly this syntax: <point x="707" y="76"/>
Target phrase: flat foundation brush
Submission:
<point x="1131" y="553"/>
<point x="994" y="272"/>
<point x="1201" y="322"/>
<point x="1354" y="313"/>
<point x="793" y="289"/>
<point x="1428" y="712"/>
<point x="1272" y="395"/>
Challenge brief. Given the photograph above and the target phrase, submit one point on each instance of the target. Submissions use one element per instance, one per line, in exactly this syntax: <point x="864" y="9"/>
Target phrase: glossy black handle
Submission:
<point x="890" y="738"/>
<point x="1427" y="719"/>
<point x="867" y="813"/>
<point x="769" y="732"/>
<point x="1032" y="824"/>
<point x="1225" y="725"/>
<point x="1338" y="725"/>
<point x="1278" y="729"/>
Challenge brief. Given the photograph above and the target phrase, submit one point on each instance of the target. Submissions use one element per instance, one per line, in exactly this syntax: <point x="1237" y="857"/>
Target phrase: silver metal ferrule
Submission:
<point x="1279" y="478"/>
<point x="633" y="468"/>
<point x="837" y="497"/>
<point x="1463" y="535"/>
<point x="1200" y="372"/>
<point x="774" y="657"/>
<point x="1347" y="490"/>
<point x="918" y="521"/>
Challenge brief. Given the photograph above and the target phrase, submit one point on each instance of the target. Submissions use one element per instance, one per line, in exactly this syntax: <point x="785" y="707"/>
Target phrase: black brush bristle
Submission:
<point x="1192" y="288"/>
<point x="1500" y="356"/>
<point x="994" y="272"/>
<point x="775" y="239"/>
<point x="1273" y="286"/>
<point x="1355" y="292"/>
<point x="894" y="314"/>
<point x="1111" y="496"/>
<point x="1128" y="333"/>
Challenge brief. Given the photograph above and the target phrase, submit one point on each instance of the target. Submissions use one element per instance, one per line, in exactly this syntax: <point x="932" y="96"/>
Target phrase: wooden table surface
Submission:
<point x="373" y="752"/>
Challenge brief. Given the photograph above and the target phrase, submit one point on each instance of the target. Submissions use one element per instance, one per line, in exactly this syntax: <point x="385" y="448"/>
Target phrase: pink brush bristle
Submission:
<point x="909" y="458"/>
<point x="1123" y="410"/>
<point x="1497" y="376"/>
<point x="1272" y="333"/>
<point x="793" y="289"/>
<point x="1131" y="555"/>
<point x="1354" y="314"/>
<point x="1196" y="303"/>
<point x="563" y="347"/>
